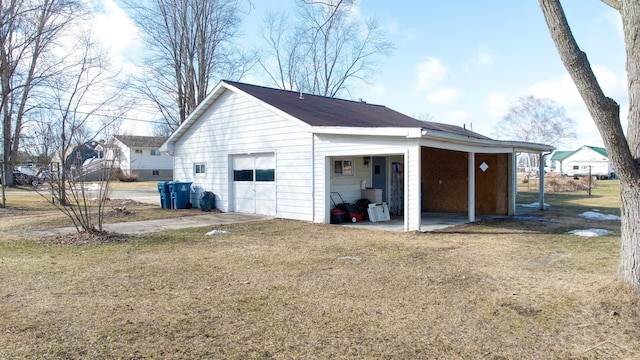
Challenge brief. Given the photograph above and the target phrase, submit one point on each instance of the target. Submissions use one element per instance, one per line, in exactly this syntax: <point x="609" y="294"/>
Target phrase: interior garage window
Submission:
<point x="265" y="175"/>
<point x="343" y="167"/>
<point x="242" y="175"/>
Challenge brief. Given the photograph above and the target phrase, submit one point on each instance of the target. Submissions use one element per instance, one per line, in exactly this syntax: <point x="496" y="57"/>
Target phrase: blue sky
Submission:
<point x="465" y="63"/>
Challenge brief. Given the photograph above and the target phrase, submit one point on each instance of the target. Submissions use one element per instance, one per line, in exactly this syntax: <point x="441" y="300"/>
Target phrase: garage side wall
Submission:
<point x="235" y="124"/>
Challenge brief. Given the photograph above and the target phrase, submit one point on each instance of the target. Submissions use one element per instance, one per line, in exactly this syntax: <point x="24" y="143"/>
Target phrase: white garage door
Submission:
<point x="254" y="184"/>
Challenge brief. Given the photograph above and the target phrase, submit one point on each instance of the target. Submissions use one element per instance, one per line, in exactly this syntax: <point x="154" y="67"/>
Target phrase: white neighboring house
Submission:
<point x="582" y="162"/>
<point x="286" y="154"/>
<point x="140" y="156"/>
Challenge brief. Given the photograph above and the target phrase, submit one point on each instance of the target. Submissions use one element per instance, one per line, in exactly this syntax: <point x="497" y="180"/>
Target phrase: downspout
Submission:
<point x="541" y="178"/>
<point x="472" y="186"/>
<point x="513" y="182"/>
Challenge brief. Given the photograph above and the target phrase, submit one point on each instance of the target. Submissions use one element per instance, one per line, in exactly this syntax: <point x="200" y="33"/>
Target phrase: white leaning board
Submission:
<point x="378" y="212"/>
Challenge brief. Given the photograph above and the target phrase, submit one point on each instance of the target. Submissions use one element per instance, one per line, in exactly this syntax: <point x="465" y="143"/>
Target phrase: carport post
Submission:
<point x="472" y="186"/>
<point x="541" y="178"/>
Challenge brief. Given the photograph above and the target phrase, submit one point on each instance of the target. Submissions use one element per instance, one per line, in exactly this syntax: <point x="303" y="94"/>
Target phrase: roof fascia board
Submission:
<point x="485" y="144"/>
<point x="371" y="131"/>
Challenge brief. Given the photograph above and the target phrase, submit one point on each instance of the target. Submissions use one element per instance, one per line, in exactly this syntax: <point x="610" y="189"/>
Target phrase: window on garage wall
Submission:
<point x="199" y="169"/>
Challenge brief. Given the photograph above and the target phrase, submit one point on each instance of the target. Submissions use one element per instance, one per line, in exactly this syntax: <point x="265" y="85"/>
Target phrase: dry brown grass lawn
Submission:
<point x="498" y="289"/>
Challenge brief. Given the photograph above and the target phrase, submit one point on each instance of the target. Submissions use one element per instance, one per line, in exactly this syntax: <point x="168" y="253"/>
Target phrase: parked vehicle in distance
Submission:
<point x="29" y="175"/>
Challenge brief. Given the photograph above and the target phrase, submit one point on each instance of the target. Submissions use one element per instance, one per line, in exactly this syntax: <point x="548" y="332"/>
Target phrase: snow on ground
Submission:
<point x="591" y="232"/>
<point x="217" y="232"/>
<point x="534" y="205"/>
<point x="592" y="215"/>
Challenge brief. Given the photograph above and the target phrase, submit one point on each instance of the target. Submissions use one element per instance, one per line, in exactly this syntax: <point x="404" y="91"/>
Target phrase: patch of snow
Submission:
<point x="525" y="218"/>
<point x="592" y="215"/>
<point x="217" y="232"/>
<point x="356" y="258"/>
<point x="93" y="187"/>
<point x="591" y="232"/>
<point x="534" y="205"/>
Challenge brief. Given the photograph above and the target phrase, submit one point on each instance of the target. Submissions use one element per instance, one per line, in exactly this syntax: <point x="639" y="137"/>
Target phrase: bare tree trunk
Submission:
<point x="624" y="152"/>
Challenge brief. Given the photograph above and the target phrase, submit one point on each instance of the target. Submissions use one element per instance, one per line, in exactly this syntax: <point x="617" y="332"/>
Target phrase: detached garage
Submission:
<point x="283" y="153"/>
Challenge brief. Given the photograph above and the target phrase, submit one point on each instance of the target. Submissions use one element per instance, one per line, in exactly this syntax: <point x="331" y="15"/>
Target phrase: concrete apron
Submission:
<point x="430" y="221"/>
<point x="149" y="226"/>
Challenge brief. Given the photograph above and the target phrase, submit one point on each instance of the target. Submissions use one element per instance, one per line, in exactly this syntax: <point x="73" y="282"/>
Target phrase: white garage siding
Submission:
<point x="235" y="125"/>
<point x="329" y="146"/>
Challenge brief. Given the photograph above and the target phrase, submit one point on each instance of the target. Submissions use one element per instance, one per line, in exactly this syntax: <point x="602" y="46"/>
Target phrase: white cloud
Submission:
<point x="483" y="58"/>
<point x="613" y="17"/>
<point x="431" y="71"/>
<point x="612" y="84"/>
<point x="115" y="30"/>
<point x="443" y="96"/>
<point x="455" y="117"/>
<point x="378" y="89"/>
<point x="561" y="90"/>
<point x="497" y="105"/>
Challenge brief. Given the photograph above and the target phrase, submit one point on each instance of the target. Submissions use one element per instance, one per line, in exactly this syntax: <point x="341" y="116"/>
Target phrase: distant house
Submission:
<point x="585" y="161"/>
<point x="91" y="150"/>
<point x="139" y="156"/>
<point x="289" y="154"/>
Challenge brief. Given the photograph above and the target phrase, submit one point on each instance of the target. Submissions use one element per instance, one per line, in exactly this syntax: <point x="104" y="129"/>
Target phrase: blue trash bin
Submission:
<point x="165" y="195"/>
<point x="180" y="193"/>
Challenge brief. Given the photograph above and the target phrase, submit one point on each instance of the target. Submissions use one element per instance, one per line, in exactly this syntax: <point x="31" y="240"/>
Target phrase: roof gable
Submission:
<point x="599" y="150"/>
<point x="561" y="155"/>
<point x="140" y="141"/>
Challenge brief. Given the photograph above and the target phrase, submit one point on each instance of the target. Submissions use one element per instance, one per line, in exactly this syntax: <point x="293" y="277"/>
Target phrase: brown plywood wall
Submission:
<point x="445" y="182"/>
<point x="492" y="196"/>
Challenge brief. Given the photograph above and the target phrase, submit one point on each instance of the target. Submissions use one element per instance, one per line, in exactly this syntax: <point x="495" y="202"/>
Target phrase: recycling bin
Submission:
<point x="165" y="195"/>
<point x="180" y="192"/>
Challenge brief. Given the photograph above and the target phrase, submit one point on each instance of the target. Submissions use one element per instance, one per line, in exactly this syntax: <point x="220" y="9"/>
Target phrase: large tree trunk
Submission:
<point x="623" y="152"/>
<point x="629" y="268"/>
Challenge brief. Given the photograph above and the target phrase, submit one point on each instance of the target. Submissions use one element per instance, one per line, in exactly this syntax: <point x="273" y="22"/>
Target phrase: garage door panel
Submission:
<point x="254" y="184"/>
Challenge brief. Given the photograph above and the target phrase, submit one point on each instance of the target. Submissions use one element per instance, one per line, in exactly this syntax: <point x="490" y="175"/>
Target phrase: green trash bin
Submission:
<point x="165" y="194"/>
<point x="180" y="193"/>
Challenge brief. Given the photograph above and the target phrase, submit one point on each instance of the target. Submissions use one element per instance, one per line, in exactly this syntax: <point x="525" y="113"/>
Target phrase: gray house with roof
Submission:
<point x="287" y="154"/>
<point x="139" y="156"/>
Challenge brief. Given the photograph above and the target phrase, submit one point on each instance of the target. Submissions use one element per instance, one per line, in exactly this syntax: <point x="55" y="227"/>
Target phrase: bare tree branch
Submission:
<point x="614" y="4"/>
<point x="190" y="45"/>
<point x="327" y="51"/>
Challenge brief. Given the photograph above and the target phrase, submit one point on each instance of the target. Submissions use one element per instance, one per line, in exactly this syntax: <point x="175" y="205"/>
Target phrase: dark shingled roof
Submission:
<point x="325" y="111"/>
<point x="134" y="141"/>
